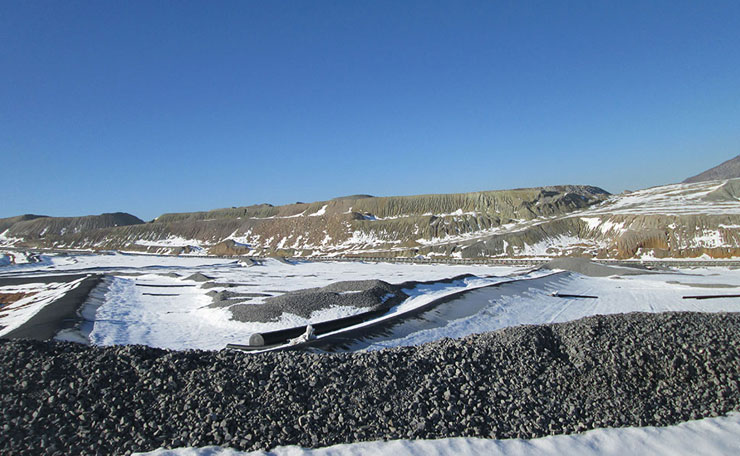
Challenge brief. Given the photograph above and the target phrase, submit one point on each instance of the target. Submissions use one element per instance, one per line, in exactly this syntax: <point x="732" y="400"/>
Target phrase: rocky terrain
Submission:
<point x="527" y="381"/>
<point x="366" y="294"/>
<point x="689" y="220"/>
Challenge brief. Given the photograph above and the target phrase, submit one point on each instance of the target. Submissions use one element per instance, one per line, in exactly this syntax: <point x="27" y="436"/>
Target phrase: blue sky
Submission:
<point x="152" y="106"/>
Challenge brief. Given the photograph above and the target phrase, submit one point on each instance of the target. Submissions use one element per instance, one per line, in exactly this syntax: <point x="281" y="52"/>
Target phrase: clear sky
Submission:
<point x="163" y="106"/>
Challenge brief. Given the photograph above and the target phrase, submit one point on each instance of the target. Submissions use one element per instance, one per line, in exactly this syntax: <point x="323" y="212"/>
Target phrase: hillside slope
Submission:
<point x="726" y="170"/>
<point x="673" y="221"/>
<point x="356" y="225"/>
<point x="50" y="231"/>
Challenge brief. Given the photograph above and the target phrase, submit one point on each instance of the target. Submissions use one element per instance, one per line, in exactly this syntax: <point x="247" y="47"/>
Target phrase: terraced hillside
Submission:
<point x="680" y="220"/>
<point x="357" y="225"/>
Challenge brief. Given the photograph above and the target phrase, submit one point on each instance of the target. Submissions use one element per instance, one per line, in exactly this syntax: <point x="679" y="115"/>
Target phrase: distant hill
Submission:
<point x="35" y="227"/>
<point x="673" y="221"/>
<point x="727" y="170"/>
<point x="352" y="225"/>
<point x="6" y="223"/>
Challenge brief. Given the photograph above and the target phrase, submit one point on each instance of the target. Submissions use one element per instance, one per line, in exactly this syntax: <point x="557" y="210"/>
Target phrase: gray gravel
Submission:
<point x="528" y="381"/>
<point x="362" y="294"/>
<point x="226" y="298"/>
<point x="226" y="294"/>
<point x="199" y="277"/>
<point x="208" y="285"/>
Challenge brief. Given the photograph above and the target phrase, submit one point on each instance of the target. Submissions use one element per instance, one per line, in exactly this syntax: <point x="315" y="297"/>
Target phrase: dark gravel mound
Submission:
<point x="362" y="294"/>
<point x="227" y="298"/>
<point x="199" y="277"/>
<point x="528" y="381"/>
<point x="207" y="285"/>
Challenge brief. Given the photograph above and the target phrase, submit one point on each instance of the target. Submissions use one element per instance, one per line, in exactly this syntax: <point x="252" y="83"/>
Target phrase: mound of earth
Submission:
<point x="198" y="277"/>
<point x="362" y="294"/>
<point x="227" y="298"/>
<point x="229" y="247"/>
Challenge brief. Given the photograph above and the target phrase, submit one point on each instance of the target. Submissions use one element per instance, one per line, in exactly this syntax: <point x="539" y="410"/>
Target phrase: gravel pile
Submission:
<point x="226" y="298"/>
<point x="529" y="381"/>
<point x="199" y="277"/>
<point x="361" y="294"/>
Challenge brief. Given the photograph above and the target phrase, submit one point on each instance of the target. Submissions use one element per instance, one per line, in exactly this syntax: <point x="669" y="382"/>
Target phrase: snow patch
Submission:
<point x="171" y="241"/>
<point x="321" y="211"/>
<point x="708" y="436"/>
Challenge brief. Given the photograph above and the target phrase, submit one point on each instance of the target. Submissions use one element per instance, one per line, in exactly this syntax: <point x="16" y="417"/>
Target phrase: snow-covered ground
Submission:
<point x="148" y="299"/>
<point x="82" y="262"/>
<point x="532" y="302"/>
<point x="175" y="314"/>
<point x="709" y="436"/>
<point x="172" y="312"/>
<point x="15" y="257"/>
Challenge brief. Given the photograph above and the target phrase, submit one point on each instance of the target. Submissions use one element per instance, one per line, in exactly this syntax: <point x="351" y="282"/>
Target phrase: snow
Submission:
<point x="592" y="222"/>
<point x="365" y="239"/>
<point x="321" y="211"/>
<point x="132" y="311"/>
<point x="52" y="263"/>
<point x="557" y="245"/>
<point x="531" y="301"/>
<point x="676" y="199"/>
<point x="709" y="436"/>
<point x="167" y="316"/>
<point x="182" y="321"/>
<point x="455" y="213"/>
<point x="6" y="240"/>
<point x="171" y="241"/>
<point x="604" y="226"/>
<point x="15" y="257"/>
<point x="175" y="314"/>
<point x="425" y="294"/>
<point x="708" y="239"/>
